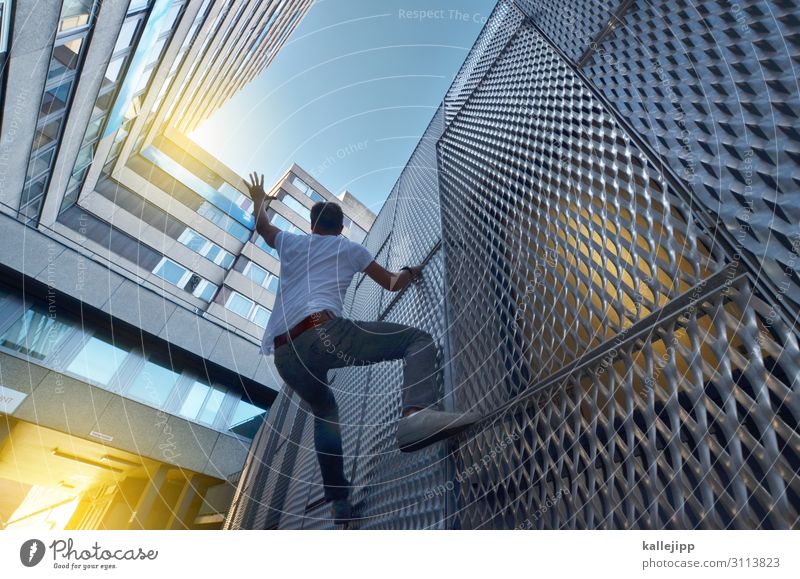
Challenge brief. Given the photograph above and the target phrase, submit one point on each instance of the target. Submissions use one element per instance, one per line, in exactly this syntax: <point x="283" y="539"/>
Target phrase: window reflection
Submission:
<point x="97" y="361"/>
<point x="244" y="411"/>
<point x="154" y="383"/>
<point x="239" y="304"/>
<point x="55" y="99"/>
<point x="74" y="14"/>
<point x="212" y="406"/>
<point x="47" y="133"/>
<point x="126" y="35"/>
<point x="194" y="400"/>
<point x="65" y="58"/>
<point x="296" y="206"/>
<point x="35" y="334"/>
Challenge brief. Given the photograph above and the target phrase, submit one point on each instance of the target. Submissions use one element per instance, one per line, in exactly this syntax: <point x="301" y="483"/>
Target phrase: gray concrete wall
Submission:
<point x="62" y="403"/>
<point x="29" y="58"/>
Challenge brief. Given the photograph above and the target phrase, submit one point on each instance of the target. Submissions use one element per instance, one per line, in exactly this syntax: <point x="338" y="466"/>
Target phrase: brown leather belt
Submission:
<point x="310" y="321"/>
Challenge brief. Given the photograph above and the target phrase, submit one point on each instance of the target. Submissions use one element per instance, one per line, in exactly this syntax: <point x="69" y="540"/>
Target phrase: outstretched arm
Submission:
<point x="392" y="281"/>
<point x="264" y="228"/>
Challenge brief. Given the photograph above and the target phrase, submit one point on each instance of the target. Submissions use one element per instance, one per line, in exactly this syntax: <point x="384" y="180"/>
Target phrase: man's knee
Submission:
<point x="422" y="341"/>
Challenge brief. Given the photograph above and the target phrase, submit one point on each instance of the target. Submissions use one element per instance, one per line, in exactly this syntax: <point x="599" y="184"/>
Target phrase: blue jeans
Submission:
<point x="303" y="363"/>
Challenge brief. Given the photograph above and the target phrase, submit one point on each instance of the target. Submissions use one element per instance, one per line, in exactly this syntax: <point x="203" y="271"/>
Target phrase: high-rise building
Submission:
<point x="134" y="290"/>
<point x="607" y="204"/>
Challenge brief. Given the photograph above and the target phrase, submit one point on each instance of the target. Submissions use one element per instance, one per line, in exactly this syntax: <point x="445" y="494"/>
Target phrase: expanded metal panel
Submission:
<point x="417" y="221"/>
<point x="251" y="470"/>
<point x="293" y="508"/>
<point x="559" y="233"/>
<point x="254" y="505"/>
<point x="496" y="33"/>
<point x="573" y="25"/>
<point x="395" y="491"/>
<point x="713" y="87"/>
<point x="689" y="424"/>
<point x="619" y="395"/>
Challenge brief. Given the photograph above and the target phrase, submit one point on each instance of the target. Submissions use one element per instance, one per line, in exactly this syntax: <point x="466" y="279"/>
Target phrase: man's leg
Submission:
<point x="355" y="343"/>
<point x="351" y="343"/>
<point x="311" y="384"/>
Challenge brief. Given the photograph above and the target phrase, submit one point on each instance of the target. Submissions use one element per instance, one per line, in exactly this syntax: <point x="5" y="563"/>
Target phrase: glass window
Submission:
<point x="84" y="156"/>
<point x="114" y="69"/>
<point x="30" y="211"/>
<point x="193" y="240"/>
<point x="170" y="271"/>
<point x="357" y="234"/>
<point x="273" y="284"/>
<point x="65" y="58"/>
<point x="92" y="130"/>
<point x="191" y="406"/>
<point x="281" y="222"/>
<point x="143" y="80"/>
<point x="97" y="361"/>
<point x="211" y="409"/>
<point x="296" y="206"/>
<point x="33" y="190"/>
<point x="75" y="14"/>
<point x="213" y="252"/>
<point x="170" y="18"/>
<point x="205" y="290"/>
<point x="245" y="411"/>
<point x="300" y="184"/>
<point x="256" y="273"/>
<point x="154" y="383"/>
<point x="261" y="316"/>
<point x="226" y="260"/>
<point x="239" y="304"/>
<point x="36" y="334"/>
<point x="137" y="5"/>
<point x="126" y="34"/>
<point x="155" y="51"/>
<point x="221" y="220"/>
<point x="47" y="133"/>
<point x="55" y="99"/>
<point x="40" y="163"/>
<point x="316" y="197"/>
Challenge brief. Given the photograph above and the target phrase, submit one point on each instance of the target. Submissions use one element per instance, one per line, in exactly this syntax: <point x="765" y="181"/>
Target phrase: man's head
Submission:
<point x="326" y="218"/>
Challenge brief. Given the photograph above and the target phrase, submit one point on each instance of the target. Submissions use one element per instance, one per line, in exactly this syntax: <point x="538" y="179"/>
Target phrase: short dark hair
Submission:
<point x="327" y="216"/>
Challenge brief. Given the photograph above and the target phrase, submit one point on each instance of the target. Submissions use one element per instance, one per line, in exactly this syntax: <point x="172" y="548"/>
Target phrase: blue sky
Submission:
<point x="350" y="93"/>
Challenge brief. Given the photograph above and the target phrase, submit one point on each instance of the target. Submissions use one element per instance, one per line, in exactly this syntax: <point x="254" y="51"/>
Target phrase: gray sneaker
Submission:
<point x="427" y="426"/>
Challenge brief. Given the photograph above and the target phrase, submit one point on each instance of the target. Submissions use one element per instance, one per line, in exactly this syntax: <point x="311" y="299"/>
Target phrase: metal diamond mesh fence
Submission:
<point x="626" y="326"/>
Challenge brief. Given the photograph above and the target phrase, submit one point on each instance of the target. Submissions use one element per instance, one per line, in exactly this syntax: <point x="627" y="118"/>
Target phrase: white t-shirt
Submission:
<point x="315" y="273"/>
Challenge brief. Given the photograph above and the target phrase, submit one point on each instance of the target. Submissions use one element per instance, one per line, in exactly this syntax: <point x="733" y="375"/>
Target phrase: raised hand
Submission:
<point x="256" y="187"/>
